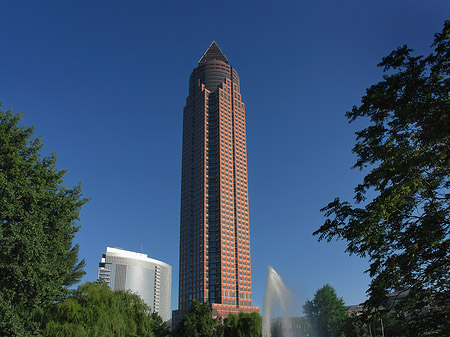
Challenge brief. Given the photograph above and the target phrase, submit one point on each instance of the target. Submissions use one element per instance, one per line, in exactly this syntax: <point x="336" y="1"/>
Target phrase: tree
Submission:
<point x="38" y="217"/>
<point x="400" y="219"/>
<point x="94" y="310"/>
<point x="230" y="324"/>
<point x="198" y="322"/>
<point x="158" y="326"/>
<point x="76" y="269"/>
<point x="326" y="312"/>
<point x="243" y="325"/>
<point x="354" y="326"/>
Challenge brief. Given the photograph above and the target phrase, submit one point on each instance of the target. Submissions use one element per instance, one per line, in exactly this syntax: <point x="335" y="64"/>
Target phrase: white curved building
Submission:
<point x="149" y="278"/>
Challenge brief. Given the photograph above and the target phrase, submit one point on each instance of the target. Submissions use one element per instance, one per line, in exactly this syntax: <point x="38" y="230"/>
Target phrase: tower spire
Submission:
<point x="213" y="53"/>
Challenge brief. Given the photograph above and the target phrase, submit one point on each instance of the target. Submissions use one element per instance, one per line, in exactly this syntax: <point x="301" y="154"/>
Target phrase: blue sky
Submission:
<point x="105" y="83"/>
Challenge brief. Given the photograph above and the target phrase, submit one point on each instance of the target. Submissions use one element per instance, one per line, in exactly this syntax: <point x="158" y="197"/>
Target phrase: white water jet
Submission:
<point x="276" y="292"/>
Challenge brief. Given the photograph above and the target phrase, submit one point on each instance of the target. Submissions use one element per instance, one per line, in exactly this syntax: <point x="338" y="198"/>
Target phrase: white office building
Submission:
<point x="149" y="278"/>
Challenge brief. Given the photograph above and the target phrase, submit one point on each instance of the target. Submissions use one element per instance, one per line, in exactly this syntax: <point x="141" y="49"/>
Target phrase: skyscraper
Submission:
<point x="149" y="278"/>
<point x="214" y="226"/>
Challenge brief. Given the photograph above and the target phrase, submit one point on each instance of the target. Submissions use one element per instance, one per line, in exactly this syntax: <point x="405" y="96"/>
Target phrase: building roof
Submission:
<point x="133" y="255"/>
<point x="213" y="53"/>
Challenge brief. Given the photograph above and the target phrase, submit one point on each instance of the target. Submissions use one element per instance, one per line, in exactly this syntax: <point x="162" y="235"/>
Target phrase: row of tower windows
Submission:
<point x="228" y="197"/>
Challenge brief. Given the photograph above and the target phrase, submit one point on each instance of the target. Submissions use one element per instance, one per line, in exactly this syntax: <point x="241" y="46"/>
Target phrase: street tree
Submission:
<point x="38" y="220"/>
<point x="326" y="312"/>
<point x="400" y="218"/>
<point x="95" y="310"/>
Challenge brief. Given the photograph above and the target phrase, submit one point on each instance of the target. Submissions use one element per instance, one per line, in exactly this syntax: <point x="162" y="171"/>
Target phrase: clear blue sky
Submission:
<point x="105" y="83"/>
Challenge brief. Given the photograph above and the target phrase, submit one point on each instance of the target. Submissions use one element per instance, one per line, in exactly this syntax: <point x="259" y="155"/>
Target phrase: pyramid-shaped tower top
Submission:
<point x="213" y="53"/>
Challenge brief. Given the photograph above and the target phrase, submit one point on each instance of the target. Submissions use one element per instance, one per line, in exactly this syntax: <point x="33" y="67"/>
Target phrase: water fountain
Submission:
<point x="276" y="293"/>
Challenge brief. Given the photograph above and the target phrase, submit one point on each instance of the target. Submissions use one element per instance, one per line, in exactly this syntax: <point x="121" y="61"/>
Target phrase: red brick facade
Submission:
<point x="215" y="264"/>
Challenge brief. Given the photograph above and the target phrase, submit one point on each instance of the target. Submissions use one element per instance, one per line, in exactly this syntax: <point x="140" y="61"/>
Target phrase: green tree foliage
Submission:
<point x="355" y="326"/>
<point x="326" y="312"/>
<point x="76" y="268"/>
<point x="38" y="217"/>
<point x="94" y="310"/>
<point x="243" y="325"/>
<point x="391" y="323"/>
<point x="231" y="324"/>
<point x="198" y="322"/>
<point x="158" y="326"/>
<point x="400" y="219"/>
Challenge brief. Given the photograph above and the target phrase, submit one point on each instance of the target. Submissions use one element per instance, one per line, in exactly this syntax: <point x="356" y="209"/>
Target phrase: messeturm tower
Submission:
<point x="215" y="260"/>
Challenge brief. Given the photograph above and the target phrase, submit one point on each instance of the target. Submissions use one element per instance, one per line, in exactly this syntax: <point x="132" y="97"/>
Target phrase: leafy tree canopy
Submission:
<point x="326" y="312"/>
<point x="404" y="229"/>
<point x="198" y="322"/>
<point x="355" y="326"/>
<point x="158" y="326"/>
<point x="38" y="217"/>
<point x="243" y="325"/>
<point x="94" y="310"/>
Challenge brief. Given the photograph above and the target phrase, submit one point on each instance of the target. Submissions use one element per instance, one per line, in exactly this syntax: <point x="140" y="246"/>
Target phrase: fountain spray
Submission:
<point x="276" y="291"/>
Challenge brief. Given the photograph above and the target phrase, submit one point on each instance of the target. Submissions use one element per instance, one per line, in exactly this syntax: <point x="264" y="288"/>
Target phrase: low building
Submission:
<point x="149" y="278"/>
